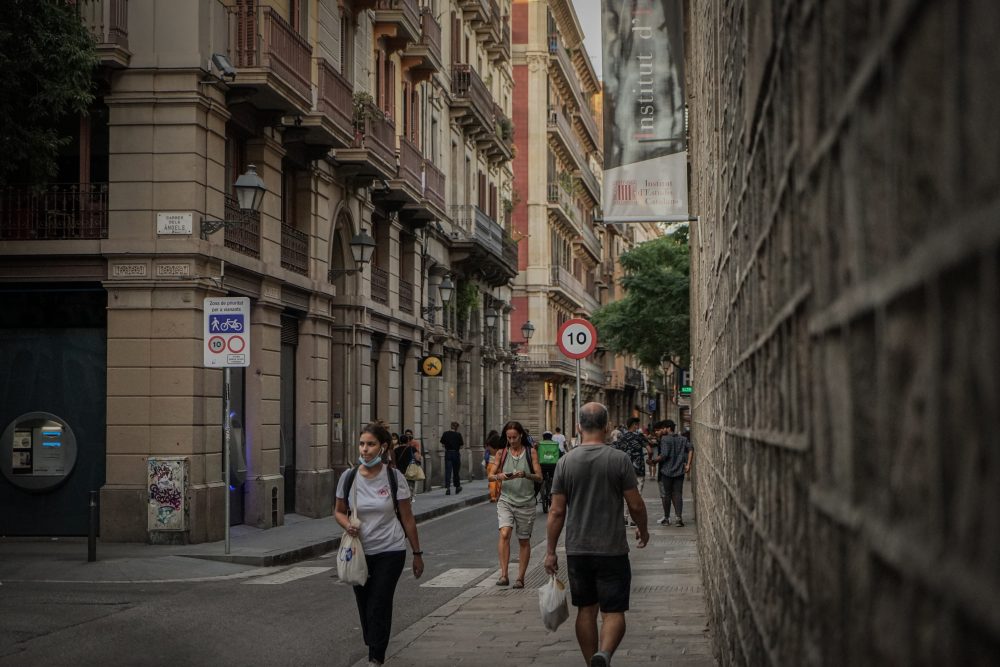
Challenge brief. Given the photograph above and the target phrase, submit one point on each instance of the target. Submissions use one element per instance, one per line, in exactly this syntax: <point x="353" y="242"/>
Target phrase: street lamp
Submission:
<point x="249" y="195"/>
<point x="527" y="330"/>
<point x="445" y="290"/>
<point x="491" y="317"/>
<point x="362" y="249"/>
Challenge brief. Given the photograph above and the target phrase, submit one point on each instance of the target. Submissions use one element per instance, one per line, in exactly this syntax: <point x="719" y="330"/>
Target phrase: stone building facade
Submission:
<point x="388" y="118"/>
<point x="845" y="326"/>
<point x="568" y="260"/>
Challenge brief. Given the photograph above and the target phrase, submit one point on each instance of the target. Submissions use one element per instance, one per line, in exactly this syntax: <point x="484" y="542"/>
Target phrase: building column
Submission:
<point x="264" y="487"/>
<point x="313" y="476"/>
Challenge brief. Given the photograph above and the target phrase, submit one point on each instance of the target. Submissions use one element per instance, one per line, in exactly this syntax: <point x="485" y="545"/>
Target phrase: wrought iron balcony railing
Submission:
<point x="294" y="249"/>
<point x="58" y="211"/>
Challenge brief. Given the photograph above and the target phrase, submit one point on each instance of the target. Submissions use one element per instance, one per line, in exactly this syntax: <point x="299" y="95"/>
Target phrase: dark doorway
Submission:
<point x="289" y="344"/>
<point x="53" y="358"/>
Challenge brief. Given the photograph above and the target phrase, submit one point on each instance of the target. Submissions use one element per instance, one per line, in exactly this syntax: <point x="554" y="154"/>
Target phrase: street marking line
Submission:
<point x="221" y="577"/>
<point x="288" y="575"/>
<point x="457" y="577"/>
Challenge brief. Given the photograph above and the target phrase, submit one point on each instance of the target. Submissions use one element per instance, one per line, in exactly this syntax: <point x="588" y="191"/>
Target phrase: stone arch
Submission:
<point x="340" y="249"/>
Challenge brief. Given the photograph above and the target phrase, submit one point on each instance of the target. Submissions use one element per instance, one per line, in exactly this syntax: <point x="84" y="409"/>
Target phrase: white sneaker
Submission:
<point x="664" y="521"/>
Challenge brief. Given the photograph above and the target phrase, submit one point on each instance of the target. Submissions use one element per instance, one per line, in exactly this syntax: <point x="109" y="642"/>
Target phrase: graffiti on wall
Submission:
<point x="167" y="481"/>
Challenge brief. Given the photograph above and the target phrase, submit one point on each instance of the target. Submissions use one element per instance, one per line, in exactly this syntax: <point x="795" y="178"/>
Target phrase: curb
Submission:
<point x="317" y="549"/>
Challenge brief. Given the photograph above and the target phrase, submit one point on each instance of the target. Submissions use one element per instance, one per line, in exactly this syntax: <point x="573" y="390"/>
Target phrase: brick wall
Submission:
<point x="846" y="312"/>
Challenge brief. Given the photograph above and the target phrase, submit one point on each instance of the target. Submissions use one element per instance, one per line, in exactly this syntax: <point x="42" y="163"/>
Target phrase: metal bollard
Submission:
<point x="92" y="534"/>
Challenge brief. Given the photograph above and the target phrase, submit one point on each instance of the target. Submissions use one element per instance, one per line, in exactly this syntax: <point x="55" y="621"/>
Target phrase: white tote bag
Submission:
<point x="351" y="566"/>
<point x="553" y="604"/>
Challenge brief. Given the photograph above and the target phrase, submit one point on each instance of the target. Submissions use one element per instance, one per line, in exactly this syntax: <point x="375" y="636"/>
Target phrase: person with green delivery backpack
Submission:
<point x="548" y="456"/>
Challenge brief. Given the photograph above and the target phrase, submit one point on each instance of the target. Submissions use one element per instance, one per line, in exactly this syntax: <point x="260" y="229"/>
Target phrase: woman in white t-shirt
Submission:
<point x="383" y="534"/>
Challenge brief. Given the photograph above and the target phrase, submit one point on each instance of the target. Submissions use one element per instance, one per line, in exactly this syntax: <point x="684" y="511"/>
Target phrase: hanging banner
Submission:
<point x="645" y="130"/>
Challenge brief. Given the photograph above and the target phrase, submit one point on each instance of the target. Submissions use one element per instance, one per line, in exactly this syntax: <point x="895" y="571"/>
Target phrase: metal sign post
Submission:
<point x="227" y="344"/>
<point x="577" y="339"/>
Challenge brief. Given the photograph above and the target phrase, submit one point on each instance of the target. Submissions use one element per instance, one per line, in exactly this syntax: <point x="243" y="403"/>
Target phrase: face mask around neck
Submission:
<point x="370" y="464"/>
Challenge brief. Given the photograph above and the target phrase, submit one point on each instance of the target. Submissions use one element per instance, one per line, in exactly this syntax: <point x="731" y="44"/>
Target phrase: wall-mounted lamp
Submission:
<point x="445" y="290"/>
<point x="249" y="195"/>
<point x="362" y="249"/>
<point x="491" y="317"/>
<point x="527" y="330"/>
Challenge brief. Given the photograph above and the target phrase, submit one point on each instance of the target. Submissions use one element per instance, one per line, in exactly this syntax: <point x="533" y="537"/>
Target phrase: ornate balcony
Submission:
<point x="245" y="238"/>
<point x="479" y="245"/>
<point x="476" y="11"/>
<point x="60" y="211"/>
<point x="430" y="206"/>
<point x="294" y="249"/>
<point x="372" y="153"/>
<point x="406" y="186"/>
<point x="489" y="30"/>
<point x="498" y="145"/>
<point x="331" y="124"/>
<point x="108" y="23"/>
<point x="273" y="62"/>
<point x="406" y="296"/>
<point x="549" y="361"/>
<point x="380" y="285"/>
<point x="572" y="292"/>
<point x="500" y="50"/>
<point x="423" y="57"/>
<point x="633" y="377"/>
<point x="472" y="104"/>
<point x="398" y="21"/>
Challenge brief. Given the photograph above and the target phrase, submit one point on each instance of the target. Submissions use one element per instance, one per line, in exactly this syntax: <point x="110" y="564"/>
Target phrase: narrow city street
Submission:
<point x="226" y="614"/>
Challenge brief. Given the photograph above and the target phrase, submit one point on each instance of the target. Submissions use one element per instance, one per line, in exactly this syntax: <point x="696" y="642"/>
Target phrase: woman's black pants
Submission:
<point x="375" y="600"/>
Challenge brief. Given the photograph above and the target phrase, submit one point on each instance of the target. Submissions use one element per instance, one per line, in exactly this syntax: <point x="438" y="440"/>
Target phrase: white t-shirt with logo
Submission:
<point x="380" y="529"/>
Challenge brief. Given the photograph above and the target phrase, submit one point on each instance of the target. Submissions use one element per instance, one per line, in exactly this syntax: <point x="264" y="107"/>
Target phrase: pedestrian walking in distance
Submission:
<point x="637" y="447"/>
<point x="587" y="492"/>
<point x="516" y="467"/>
<point x="453" y="443"/>
<point x="383" y="505"/>
<point x="674" y="460"/>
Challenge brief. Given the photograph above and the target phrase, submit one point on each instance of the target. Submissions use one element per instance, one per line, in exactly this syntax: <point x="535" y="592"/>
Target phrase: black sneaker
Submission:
<point x="458" y="489"/>
<point x="679" y="524"/>
<point x="447" y="492"/>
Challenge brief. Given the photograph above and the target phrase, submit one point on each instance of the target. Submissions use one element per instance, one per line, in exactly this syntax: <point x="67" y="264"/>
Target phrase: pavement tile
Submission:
<point x="667" y="623"/>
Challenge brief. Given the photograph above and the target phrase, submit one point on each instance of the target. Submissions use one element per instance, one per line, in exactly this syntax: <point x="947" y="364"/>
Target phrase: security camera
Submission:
<point x="224" y="66"/>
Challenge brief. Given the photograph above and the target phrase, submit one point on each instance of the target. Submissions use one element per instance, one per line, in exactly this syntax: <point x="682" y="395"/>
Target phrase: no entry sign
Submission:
<point x="227" y="332"/>
<point x="577" y="338"/>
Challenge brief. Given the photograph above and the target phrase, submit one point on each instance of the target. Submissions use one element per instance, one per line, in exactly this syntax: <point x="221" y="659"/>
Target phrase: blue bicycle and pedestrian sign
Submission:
<point x="227" y="336"/>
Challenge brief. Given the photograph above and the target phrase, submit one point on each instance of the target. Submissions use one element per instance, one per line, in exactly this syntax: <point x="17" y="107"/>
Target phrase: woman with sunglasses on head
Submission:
<point x="383" y="533"/>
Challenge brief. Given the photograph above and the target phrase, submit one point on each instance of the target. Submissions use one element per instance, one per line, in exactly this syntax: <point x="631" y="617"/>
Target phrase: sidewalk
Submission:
<point x="301" y="538"/>
<point x="487" y="624"/>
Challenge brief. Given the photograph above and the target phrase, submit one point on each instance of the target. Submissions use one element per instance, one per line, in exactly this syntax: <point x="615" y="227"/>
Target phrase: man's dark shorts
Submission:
<point x="601" y="580"/>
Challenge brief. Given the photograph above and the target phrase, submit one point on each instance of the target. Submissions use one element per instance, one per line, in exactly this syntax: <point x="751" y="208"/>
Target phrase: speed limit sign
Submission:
<point x="577" y="338"/>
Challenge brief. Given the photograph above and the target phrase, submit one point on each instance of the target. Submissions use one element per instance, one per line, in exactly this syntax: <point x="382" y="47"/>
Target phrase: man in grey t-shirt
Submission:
<point x="587" y="493"/>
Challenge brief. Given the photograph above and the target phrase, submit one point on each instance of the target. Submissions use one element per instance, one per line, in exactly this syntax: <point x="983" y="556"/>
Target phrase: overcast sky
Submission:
<point x="589" y="12"/>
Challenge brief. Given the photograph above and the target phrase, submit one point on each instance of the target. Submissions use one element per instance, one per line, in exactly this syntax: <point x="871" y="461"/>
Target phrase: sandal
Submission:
<point x="518" y="584"/>
<point x="503" y="581"/>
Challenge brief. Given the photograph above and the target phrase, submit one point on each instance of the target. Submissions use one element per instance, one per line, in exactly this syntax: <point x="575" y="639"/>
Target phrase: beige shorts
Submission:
<point x="519" y="517"/>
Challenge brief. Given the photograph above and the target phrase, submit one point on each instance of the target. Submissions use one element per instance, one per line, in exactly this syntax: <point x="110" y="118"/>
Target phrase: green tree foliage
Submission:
<point x="47" y="58"/>
<point x="652" y="320"/>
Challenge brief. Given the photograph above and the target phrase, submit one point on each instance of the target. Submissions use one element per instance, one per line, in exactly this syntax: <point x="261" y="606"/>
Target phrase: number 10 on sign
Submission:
<point x="577" y="339"/>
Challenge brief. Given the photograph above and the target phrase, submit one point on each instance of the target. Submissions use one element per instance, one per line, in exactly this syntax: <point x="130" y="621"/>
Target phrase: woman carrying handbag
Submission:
<point x="382" y="504"/>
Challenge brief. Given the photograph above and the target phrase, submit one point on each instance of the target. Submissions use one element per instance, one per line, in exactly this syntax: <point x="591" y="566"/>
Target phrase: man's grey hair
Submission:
<point x="593" y="417"/>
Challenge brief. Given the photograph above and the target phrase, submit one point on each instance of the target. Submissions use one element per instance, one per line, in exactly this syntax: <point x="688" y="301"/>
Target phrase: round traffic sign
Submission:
<point x="577" y="338"/>
<point x="236" y="344"/>
<point x="217" y="344"/>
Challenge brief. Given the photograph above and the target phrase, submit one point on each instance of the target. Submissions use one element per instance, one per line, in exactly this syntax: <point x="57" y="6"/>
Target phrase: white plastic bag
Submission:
<point x="553" y="604"/>
<point x="351" y="566"/>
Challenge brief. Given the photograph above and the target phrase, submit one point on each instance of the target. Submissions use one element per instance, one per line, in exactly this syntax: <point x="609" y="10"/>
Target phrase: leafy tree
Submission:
<point x="47" y="58"/>
<point x="652" y="321"/>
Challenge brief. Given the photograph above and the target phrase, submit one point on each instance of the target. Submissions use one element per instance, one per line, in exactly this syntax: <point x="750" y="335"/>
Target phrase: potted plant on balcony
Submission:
<point x="506" y="129"/>
<point x="364" y="108"/>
